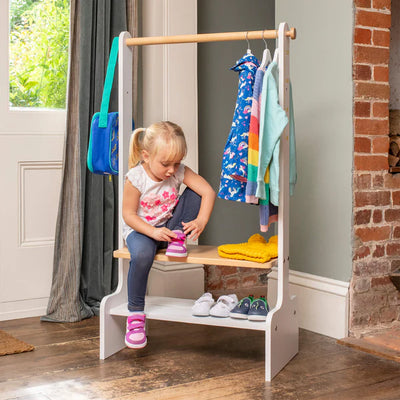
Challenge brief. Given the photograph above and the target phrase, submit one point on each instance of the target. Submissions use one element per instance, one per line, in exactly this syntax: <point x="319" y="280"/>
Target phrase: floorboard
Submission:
<point x="184" y="361"/>
<point x="383" y="343"/>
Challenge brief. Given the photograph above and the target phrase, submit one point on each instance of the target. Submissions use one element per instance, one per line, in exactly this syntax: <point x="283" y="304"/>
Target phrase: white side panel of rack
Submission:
<point x="112" y="329"/>
<point x="282" y="333"/>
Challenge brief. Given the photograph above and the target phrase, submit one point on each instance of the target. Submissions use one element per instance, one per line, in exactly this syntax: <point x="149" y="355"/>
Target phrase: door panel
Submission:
<point x="31" y="166"/>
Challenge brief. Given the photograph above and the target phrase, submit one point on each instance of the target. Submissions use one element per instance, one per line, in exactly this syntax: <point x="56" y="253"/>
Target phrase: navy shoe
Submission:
<point x="258" y="309"/>
<point x="242" y="308"/>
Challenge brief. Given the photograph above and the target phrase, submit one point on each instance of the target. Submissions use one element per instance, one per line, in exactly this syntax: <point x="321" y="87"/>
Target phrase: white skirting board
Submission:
<point x="23" y="308"/>
<point x="322" y="303"/>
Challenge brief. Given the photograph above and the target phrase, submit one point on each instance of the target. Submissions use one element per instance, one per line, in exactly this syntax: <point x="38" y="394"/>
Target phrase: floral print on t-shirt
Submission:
<point x="159" y="205"/>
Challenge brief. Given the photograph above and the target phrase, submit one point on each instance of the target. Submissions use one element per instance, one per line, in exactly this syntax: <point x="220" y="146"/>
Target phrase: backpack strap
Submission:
<point x="112" y="61"/>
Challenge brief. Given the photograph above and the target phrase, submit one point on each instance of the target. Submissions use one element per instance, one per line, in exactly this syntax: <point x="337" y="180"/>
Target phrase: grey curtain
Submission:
<point x="87" y="225"/>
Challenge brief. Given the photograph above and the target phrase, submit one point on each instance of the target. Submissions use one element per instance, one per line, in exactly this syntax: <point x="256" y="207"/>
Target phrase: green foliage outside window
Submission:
<point x="38" y="53"/>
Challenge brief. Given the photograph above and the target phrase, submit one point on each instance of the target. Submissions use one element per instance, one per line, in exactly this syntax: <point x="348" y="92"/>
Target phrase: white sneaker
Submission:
<point x="202" y="305"/>
<point x="224" y="305"/>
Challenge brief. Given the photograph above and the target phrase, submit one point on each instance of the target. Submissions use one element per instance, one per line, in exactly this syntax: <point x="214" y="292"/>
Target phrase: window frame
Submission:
<point x="33" y="120"/>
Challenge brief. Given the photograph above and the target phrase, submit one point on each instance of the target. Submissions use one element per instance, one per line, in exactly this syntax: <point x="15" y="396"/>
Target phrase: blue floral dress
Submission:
<point x="234" y="159"/>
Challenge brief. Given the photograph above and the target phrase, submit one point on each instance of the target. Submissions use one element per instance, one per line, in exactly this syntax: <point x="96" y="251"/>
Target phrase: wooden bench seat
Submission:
<point x="207" y="255"/>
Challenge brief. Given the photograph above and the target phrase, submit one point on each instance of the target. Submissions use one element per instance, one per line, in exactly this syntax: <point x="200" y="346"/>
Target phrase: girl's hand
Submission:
<point x="195" y="228"/>
<point x="163" y="234"/>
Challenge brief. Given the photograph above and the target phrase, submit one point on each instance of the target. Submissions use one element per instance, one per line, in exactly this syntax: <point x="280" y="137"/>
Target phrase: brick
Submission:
<point x="374" y="233"/>
<point x="387" y="315"/>
<point x="381" y="4"/>
<point x="379" y="251"/>
<point x="392" y="215"/>
<point x="381" y="73"/>
<point x="381" y="38"/>
<point x="370" y="55"/>
<point x="396" y="232"/>
<point x="361" y="252"/>
<point x="249" y="281"/>
<point x="393" y="249"/>
<point x="396" y="197"/>
<point x="362" y="3"/>
<point x="362" y="36"/>
<point x="368" y="90"/>
<point x="213" y="274"/>
<point x="373" y="19"/>
<point x="362" y="145"/>
<point x="377" y="216"/>
<point x="380" y="145"/>
<point x="367" y="301"/>
<point x="362" y="217"/>
<point x="362" y="181"/>
<point x="380" y="281"/>
<point x="362" y="72"/>
<point x="370" y="126"/>
<point x="394" y="298"/>
<point x="375" y="317"/>
<point x="358" y="320"/>
<point x="372" y="198"/>
<point x="370" y="163"/>
<point x="215" y="285"/>
<point x="226" y="271"/>
<point x="380" y="110"/>
<point x="361" y="285"/>
<point x="377" y="182"/>
<point x="232" y="283"/>
<point x="362" y="109"/>
<point x="392" y="181"/>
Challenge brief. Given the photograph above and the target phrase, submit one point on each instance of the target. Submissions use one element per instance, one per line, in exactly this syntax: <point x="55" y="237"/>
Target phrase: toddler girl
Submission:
<point x="154" y="215"/>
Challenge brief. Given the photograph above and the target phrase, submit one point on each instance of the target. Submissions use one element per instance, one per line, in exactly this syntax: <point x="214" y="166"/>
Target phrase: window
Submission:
<point x="38" y="53"/>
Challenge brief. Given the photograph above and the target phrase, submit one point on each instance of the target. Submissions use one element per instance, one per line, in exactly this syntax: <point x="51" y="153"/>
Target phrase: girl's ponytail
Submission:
<point x="135" y="147"/>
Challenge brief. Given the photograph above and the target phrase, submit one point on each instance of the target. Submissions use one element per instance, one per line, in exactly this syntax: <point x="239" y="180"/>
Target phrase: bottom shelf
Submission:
<point x="180" y="310"/>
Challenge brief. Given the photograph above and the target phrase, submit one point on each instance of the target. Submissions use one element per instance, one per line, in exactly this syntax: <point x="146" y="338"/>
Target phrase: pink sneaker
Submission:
<point x="177" y="247"/>
<point x="135" y="337"/>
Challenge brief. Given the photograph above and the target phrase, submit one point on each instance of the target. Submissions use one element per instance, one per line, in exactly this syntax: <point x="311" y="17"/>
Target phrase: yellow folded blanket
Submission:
<point x="255" y="249"/>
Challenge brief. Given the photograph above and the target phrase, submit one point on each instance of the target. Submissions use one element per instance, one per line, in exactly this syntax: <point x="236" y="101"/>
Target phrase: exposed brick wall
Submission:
<point x="241" y="281"/>
<point x="376" y="193"/>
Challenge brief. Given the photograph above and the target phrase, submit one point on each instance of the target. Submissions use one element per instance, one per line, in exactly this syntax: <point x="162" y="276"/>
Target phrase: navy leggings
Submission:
<point x="143" y="248"/>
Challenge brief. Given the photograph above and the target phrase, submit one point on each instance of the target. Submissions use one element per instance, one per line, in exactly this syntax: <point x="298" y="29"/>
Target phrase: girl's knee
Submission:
<point x="191" y="196"/>
<point x="143" y="257"/>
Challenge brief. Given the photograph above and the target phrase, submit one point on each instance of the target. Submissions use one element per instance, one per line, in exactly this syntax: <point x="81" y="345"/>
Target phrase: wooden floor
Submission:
<point x="185" y="361"/>
<point x="384" y="343"/>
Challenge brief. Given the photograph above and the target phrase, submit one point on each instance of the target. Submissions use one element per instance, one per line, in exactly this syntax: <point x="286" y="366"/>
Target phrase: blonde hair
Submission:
<point x="156" y="136"/>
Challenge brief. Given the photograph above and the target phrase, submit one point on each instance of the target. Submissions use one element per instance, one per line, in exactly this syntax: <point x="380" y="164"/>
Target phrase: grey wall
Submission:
<point x="231" y="222"/>
<point x="321" y="73"/>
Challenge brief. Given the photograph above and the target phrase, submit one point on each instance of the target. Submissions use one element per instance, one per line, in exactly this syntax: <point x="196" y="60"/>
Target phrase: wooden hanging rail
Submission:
<point x="208" y="37"/>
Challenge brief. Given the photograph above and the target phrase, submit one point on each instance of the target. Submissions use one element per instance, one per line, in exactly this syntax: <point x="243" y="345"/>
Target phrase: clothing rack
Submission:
<point x="209" y="37"/>
<point x="281" y="326"/>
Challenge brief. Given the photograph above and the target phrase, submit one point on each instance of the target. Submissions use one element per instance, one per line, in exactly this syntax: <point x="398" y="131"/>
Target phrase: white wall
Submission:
<point x="170" y="71"/>
<point x="321" y="73"/>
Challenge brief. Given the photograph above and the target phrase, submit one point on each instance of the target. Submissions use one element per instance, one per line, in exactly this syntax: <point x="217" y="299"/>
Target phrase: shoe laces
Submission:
<point x="180" y="237"/>
<point x="261" y="302"/>
<point x="245" y="298"/>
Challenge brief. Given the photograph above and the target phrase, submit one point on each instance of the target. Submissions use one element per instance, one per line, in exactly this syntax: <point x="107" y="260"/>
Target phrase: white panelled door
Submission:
<point x="31" y="147"/>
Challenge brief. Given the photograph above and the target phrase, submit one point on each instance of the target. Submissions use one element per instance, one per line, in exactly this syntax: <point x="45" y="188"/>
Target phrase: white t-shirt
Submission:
<point x="157" y="199"/>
